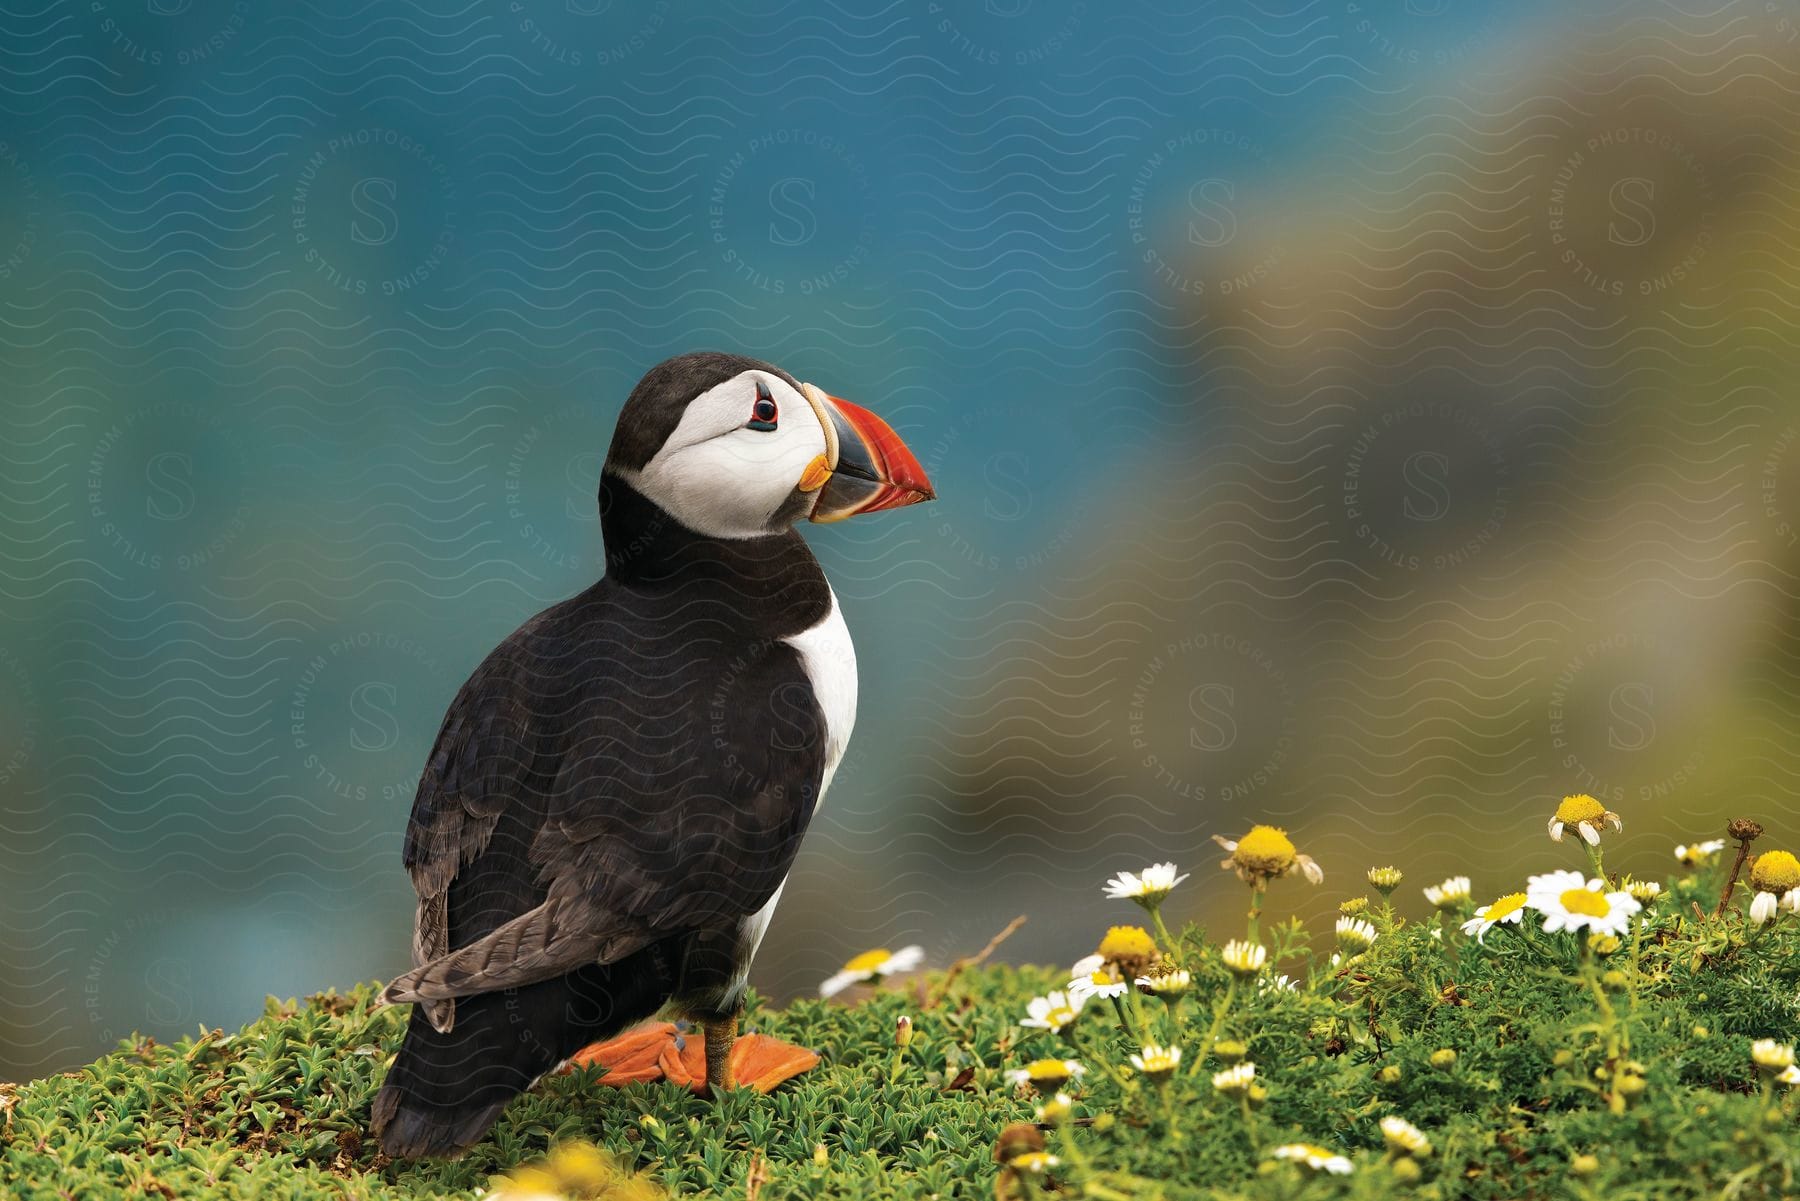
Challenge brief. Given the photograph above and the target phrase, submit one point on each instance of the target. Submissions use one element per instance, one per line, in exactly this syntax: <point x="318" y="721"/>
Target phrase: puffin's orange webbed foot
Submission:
<point x="661" y="1051"/>
<point x="762" y="1063"/>
<point x="635" y="1057"/>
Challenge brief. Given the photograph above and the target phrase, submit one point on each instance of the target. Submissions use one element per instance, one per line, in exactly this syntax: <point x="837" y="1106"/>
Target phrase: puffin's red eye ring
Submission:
<point x="763" y="414"/>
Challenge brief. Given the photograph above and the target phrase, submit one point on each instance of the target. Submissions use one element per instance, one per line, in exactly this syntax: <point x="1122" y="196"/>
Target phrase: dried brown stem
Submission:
<point x="975" y="960"/>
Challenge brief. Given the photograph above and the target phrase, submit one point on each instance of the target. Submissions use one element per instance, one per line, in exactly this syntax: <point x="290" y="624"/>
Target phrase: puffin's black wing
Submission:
<point x="481" y="761"/>
<point x="600" y="783"/>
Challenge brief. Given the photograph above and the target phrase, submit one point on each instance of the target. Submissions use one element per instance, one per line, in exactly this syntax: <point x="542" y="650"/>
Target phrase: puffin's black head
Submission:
<point x="735" y="448"/>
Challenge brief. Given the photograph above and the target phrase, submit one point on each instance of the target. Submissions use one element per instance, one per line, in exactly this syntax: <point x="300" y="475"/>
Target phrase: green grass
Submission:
<point x="1657" y="1085"/>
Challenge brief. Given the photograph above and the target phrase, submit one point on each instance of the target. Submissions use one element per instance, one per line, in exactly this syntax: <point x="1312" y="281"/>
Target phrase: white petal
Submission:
<point x="1763" y="907"/>
<point x="834" y="985"/>
<point x="1556" y="830"/>
<point x="1590" y="835"/>
<point x="903" y="960"/>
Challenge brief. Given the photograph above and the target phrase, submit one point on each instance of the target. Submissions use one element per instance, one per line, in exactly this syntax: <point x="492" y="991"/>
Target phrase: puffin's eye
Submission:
<point x="763" y="413"/>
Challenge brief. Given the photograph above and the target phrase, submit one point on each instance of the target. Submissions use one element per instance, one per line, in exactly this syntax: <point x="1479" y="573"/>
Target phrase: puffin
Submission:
<point x="616" y="795"/>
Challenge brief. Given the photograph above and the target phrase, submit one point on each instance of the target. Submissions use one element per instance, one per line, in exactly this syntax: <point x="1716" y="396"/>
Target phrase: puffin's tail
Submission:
<point x="445" y="1091"/>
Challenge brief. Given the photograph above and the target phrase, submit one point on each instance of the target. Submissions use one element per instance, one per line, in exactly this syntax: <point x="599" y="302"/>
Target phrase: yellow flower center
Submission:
<point x="1506" y="906"/>
<point x="1579" y="808"/>
<point x="868" y="961"/>
<point x="1776" y="872"/>
<point x="1125" y="944"/>
<point x="1100" y="977"/>
<point x="1265" y="850"/>
<point x="1586" y="901"/>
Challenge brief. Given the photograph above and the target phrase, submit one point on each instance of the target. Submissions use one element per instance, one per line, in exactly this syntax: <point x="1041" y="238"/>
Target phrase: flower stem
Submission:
<point x="1162" y="932"/>
<point x="1596" y="859"/>
<point x="1609" y="1022"/>
<point x="1256" y="900"/>
<point x="1218" y="1025"/>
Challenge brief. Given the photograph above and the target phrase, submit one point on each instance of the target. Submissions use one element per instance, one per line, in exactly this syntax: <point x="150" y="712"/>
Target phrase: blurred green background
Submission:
<point x="1375" y="418"/>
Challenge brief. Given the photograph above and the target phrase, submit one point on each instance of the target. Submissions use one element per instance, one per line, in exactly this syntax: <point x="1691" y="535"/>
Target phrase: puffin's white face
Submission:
<point x="733" y="464"/>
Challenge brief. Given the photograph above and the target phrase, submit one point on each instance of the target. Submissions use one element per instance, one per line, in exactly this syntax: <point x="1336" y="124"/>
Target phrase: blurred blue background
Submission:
<point x="1369" y="417"/>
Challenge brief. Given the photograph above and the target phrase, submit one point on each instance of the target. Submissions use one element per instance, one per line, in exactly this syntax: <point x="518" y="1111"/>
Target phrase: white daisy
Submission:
<point x="1404" y="1137"/>
<point x="1101" y="983"/>
<point x="1054" y="1013"/>
<point x="1586" y="815"/>
<point x="1087" y="965"/>
<point x="1770" y="1055"/>
<point x="1146" y="887"/>
<point x="1700" y="852"/>
<point x="1280" y="982"/>
<point x="1509" y="908"/>
<point x="1046" y="1075"/>
<point x="1035" y="1162"/>
<point x="1319" y="1159"/>
<point x="1776" y="878"/>
<point x="1570" y="901"/>
<point x="1450" y="893"/>
<point x="1790" y="1075"/>
<point x="1355" y="934"/>
<point x="1157" y="1062"/>
<point x="1644" y="891"/>
<point x="873" y="965"/>
<point x="1244" y="958"/>
<point x="1168" y="983"/>
<point x="1235" y="1079"/>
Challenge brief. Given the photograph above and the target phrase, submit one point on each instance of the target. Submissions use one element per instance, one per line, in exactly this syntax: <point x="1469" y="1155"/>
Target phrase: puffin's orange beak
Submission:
<point x="870" y="467"/>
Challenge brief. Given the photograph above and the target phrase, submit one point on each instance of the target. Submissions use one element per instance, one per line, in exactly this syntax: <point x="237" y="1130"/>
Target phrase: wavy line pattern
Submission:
<point x="1373" y="417"/>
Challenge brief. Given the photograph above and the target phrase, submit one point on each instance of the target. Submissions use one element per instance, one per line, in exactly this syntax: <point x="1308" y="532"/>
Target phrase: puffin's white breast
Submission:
<point x="830" y="664"/>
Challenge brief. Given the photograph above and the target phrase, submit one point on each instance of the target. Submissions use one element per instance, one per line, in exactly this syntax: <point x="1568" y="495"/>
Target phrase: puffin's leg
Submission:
<point x="721" y="1037"/>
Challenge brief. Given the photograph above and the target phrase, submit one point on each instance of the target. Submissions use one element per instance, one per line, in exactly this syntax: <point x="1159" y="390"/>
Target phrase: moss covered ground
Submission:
<point x="1533" y="1063"/>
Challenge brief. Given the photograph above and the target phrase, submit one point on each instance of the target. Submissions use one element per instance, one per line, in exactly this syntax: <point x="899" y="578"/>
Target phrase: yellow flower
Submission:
<point x="1775" y="871"/>
<point x="1058" y="1108"/>
<point x="1643" y="891"/>
<point x="1585" y="814"/>
<point x="1385" y="879"/>
<point x="575" y="1170"/>
<point x="1130" y="949"/>
<point x="1776" y="878"/>
<point x="1264" y="854"/>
